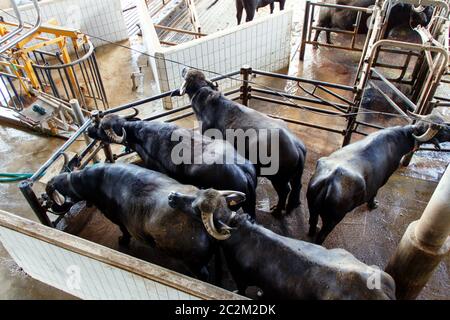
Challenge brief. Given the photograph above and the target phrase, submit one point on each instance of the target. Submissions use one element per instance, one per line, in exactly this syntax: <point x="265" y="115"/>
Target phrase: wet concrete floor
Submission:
<point x="370" y="236"/>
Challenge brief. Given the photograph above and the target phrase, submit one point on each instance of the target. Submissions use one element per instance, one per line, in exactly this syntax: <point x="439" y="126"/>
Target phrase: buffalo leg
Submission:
<point x="296" y="184"/>
<point x="328" y="33"/>
<point x="239" y="9"/>
<point x="250" y="14"/>
<point x="250" y="204"/>
<point x="124" y="239"/>
<point x="372" y="204"/>
<point x="272" y="7"/>
<point x="282" y="188"/>
<point x="327" y="226"/>
<point x="201" y="273"/>
<point x="313" y="220"/>
<point x="236" y="274"/>
<point x="282" y="2"/>
<point x="316" y="37"/>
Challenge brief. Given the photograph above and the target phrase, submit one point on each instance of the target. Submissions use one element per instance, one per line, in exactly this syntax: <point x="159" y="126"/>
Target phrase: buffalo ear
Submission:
<point x="184" y="72"/>
<point x="235" y="199"/>
<point x="214" y="86"/>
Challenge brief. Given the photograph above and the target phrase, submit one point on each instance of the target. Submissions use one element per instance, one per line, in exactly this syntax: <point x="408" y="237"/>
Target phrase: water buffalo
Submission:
<point x="217" y="112"/>
<point x="353" y="175"/>
<point x="344" y="19"/>
<point x="206" y="163"/>
<point x="282" y="267"/>
<point x="251" y="6"/>
<point x="136" y="199"/>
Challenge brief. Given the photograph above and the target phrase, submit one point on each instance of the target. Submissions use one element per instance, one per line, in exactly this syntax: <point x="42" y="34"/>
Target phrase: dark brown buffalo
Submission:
<point x="282" y="267"/>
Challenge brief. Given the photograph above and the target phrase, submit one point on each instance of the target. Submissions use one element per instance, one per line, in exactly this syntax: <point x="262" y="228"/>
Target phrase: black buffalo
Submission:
<point x="215" y="111"/>
<point x="136" y="199"/>
<point x="211" y="163"/>
<point x="251" y="6"/>
<point x="353" y="175"/>
<point x="282" y="267"/>
<point x="401" y="15"/>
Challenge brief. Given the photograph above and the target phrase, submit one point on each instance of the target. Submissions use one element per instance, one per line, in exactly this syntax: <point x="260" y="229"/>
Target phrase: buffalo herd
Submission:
<point x="192" y="209"/>
<point x="194" y="196"/>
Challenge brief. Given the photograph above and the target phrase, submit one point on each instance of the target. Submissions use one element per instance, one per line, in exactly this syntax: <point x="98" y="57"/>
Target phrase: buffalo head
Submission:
<point x="194" y="80"/>
<point x="61" y="193"/>
<point x="111" y="128"/>
<point x="420" y="16"/>
<point x="431" y="128"/>
<point x="212" y="207"/>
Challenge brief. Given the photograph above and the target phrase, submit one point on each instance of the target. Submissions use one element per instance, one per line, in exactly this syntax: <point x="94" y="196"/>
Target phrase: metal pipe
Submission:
<point x="293" y="105"/>
<point x="306" y="124"/>
<point x="27" y="191"/>
<point x="160" y="96"/>
<point x="390" y="101"/>
<point x="246" y="71"/>
<point x="305" y="30"/>
<point x="411" y="106"/>
<point x="300" y="98"/>
<point x="61" y="149"/>
<point x="26" y="34"/>
<point x="340" y="6"/>
<point x="20" y="25"/>
<point x="304" y="80"/>
<point x="79" y="118"/>
<point x="425" y="243"/>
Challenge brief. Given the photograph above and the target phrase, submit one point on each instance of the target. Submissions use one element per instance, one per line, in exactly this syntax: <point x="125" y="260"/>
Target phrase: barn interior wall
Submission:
<point x="100" y="18"/>
<point x="263" y="44"/>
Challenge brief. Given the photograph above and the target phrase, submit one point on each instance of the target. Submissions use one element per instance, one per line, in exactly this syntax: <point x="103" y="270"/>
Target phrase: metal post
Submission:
<point x="305" y="30"/>
<point x="246" y="71"/>
<point x="30" y="196"/>
<point x="425" y="243"/>
<point x="81" y="120"/>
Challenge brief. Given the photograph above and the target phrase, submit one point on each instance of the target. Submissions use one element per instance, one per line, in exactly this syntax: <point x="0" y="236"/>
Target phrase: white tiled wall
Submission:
<point x="262" y="44"/>
<point x="101" y="18"/>
<point x="92" y="279"/>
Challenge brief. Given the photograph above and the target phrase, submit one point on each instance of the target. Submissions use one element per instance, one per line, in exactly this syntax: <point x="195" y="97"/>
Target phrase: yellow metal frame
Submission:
<point x="19" y="54"/>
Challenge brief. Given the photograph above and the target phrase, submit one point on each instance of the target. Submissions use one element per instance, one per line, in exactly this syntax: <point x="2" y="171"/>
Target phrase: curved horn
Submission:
<point x="416" y="116"/>
<point x="208" y="222"/>
<point x="131" y="116"/>
<point x="230" y="192"/>
<point x="427" y="136"/>
<point x="114" y="137"/>
<point x="418" y="9"/>
<point x="182" y="89"/>
<point x="58" y="198"/>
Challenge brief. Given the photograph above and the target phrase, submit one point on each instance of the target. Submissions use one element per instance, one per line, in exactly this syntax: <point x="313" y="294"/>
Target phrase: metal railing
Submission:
<point x="249" y="90"/>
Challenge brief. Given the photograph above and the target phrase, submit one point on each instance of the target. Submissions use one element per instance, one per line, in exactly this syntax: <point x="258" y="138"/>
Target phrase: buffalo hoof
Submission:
<point x="292" y="207"/>
<point x="276" y="212"/>
<point x="372" y="204"/>
<point x="173" y="200"/>
<point x="124" y="241"/>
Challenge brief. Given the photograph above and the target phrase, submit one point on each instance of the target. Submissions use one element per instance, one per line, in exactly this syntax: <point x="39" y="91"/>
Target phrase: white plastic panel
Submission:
<point x="101" y="18"/>
<point x="262" y="44"/>
<point x="79" y="275"/>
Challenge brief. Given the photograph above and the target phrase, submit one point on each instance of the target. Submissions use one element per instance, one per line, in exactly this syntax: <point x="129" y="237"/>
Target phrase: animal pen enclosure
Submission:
<point x="263" y="44"/>
<point x="343" y="102"/>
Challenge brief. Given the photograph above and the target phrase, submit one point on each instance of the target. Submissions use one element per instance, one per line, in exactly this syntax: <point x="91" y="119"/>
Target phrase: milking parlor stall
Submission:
<point x="119" y="179"/>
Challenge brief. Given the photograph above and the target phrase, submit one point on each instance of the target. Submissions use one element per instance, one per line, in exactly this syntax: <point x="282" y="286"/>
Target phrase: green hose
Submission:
<point x="13" y="177"/>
